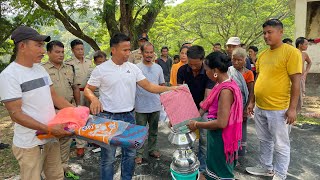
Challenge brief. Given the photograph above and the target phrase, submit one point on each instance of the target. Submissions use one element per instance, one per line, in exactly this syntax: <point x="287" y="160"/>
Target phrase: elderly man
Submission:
<point x="30" y="99"/>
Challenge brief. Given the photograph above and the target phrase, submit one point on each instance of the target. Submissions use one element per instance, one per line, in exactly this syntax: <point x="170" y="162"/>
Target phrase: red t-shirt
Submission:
<point x="248" y="76"/>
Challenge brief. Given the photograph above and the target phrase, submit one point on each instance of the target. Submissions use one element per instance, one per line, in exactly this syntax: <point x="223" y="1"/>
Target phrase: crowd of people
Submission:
<point x="228" y="88"/>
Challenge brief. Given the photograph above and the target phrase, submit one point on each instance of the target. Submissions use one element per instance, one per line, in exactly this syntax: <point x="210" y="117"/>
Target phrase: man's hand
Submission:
<point x="58" y="131"/>
<point x="172" y="88"/>
<point x="250" y="108"/>
<point x="291" y="116"/>
<point x="303" y="76"/>
<point x="96" y="106"/>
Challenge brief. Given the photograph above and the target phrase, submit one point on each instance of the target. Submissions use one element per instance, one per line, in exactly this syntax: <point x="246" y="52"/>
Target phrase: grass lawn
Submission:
<point x="8" y="164"/>
<point x="307" y="120"/>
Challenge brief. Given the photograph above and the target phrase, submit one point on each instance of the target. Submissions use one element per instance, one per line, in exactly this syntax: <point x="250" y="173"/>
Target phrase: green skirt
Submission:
<point x="216" y="159"/>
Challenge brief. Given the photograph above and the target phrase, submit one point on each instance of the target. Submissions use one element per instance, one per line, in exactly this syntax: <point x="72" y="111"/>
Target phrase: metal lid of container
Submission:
<point x="182" y="139"/>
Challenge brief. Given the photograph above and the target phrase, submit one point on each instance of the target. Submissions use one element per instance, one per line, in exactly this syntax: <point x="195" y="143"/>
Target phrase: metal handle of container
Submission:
<point x="176" y="179"/>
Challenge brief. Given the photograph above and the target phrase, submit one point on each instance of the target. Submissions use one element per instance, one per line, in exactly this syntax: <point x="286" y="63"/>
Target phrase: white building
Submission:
<point x="307" y="24"/>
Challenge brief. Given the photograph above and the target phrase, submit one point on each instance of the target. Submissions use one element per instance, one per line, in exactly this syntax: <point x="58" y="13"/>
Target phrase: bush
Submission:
<point x="3" y="66"/>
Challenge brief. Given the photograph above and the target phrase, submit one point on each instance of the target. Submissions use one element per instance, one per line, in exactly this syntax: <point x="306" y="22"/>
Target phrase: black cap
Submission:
<point x="143" y="36"/>
<point x="27" y="33"/>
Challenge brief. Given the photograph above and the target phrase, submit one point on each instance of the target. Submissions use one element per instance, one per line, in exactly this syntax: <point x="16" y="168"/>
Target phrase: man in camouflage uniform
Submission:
<point x="136" y="55"/>
<point x="82" y="68"/>
<point x="63" y="79"/>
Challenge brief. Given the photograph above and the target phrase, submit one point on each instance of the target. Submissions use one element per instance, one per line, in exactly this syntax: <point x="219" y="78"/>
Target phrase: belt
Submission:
<point x="107" y="112"/>
<point x="81" y="89"/>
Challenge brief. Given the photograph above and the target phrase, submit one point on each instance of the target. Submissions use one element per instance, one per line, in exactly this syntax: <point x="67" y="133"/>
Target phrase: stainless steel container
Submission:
<point x="184" y="160"/>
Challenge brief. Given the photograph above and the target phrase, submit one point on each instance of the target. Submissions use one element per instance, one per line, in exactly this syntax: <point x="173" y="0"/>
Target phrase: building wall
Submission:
<point x="313" y="84"/>
<point x="313" y="31"/>
<point x="314" y="53"/>
<point x="307" y="24"/>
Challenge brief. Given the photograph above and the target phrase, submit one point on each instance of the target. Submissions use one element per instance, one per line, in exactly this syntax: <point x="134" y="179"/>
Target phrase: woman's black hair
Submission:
<point x="183" y="47"/>
<point x="217" y="60"/>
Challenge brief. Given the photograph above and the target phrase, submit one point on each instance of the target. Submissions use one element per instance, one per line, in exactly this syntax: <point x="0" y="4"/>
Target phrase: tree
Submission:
<point x="244" y="18"/>
<point x="136" y="17"/>
<point x="206" y="22"/>
<point x="128" y="16"/>
<point x="56" y="8"/>
<point x="24" y="15"/>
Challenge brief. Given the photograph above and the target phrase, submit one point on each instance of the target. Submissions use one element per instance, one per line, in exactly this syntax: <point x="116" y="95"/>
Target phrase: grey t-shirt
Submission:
<point x="147" y="102"/>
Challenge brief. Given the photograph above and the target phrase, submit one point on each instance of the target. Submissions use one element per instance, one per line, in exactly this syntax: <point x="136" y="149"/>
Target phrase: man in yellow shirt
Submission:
<point x="276" y="96"/>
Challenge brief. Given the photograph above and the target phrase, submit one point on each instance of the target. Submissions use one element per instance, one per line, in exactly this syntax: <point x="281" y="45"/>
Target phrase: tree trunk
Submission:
<point x="68" y="23"/>
<point x="128" y="24"/>
<point x="109" y="16"/>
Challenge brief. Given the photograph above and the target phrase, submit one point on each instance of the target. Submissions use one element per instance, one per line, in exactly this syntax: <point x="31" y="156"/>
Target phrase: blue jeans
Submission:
<point x="273" y="134"/>
<point x="108" y="154"/>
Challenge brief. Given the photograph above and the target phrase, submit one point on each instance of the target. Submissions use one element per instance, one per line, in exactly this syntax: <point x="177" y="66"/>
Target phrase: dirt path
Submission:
<point x="305" y="158"/>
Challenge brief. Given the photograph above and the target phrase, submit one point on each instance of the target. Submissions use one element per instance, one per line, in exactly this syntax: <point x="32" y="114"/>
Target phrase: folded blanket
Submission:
<point x="71" y="118"/>
<point x="105" y="132"/>
<point x="179" y="105"/>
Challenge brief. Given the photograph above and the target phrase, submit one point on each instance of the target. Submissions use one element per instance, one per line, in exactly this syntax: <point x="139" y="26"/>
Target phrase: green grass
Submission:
<point x="8" y="164"/>
<point x="307" y="120"/>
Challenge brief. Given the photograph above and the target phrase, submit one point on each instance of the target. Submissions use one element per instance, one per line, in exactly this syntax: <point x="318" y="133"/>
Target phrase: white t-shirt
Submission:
<point x="117" y="85"/>
<point x="32" y="85"/>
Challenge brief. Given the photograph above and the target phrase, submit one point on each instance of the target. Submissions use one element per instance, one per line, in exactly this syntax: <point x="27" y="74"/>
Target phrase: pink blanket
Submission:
<point x="72" y="117"/>
<point x="179" y="105"/>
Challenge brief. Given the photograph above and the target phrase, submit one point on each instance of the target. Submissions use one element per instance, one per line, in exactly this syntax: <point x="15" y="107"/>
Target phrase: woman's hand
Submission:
<point x="192" y="125"/>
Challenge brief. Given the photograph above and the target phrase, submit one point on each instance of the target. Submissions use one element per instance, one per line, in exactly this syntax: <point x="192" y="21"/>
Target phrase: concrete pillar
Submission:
<point x="300" y="18"/>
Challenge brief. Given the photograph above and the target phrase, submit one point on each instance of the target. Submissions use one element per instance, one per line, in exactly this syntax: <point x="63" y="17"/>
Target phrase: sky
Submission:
<point x="178" y="2"/>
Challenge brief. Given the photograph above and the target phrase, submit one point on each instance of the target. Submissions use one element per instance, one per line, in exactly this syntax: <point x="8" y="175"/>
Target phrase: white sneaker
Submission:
<point x="259" y="171"/>
<point x="276" y="177"/>
<point x="96" y="150"/>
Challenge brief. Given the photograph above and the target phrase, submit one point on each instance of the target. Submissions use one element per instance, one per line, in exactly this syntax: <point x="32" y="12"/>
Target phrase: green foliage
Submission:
<point x="206" y="22"/>
<point x="3" y="66"/>
<point x="165" y="30"/>
<point x="202" y="22"/>
<point x="307" y="120"/>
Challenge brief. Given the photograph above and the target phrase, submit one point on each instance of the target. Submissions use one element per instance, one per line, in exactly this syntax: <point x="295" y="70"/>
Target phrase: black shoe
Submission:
<point x="3" y="146"/>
